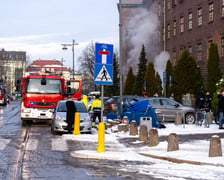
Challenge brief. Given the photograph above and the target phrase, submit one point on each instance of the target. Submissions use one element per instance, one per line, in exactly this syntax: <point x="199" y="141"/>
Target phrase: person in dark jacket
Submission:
<point x="200" y="100"/>
<point x="221" y="109"/>
<point x="208" y="101"/>
<point x="70" y="115"/>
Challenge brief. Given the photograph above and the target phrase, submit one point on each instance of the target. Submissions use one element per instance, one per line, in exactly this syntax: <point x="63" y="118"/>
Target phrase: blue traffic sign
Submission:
<point x="164" y="76"/>
<point x="104" y="53"/>
<point x="103" y="73"/>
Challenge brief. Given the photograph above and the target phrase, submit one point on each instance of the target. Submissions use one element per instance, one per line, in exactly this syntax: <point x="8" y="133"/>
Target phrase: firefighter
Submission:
<point x="96" y="108"/>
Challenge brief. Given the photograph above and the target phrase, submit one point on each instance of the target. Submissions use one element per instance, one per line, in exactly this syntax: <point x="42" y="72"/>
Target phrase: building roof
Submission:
<point x="39" y="64"/>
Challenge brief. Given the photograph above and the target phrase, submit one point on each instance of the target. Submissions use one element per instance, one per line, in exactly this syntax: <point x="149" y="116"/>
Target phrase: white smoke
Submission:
<point x="160" y="63"/>
<point x="142" y="30"/>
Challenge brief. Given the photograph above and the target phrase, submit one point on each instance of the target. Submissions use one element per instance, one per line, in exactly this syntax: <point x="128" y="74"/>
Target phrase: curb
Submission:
<point x="174" y="160"/>
<point x="93" y="155"/>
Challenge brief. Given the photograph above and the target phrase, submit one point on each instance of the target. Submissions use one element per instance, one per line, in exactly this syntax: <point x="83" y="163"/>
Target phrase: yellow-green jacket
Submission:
<point x="96" y="104"/>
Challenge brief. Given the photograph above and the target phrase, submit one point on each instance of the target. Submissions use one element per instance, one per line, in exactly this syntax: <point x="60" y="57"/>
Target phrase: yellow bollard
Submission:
<point x="101" y="138"/>
<point x="77" y="124"/>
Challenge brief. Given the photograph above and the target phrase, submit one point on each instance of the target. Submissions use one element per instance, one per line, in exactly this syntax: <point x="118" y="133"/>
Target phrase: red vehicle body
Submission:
<point x="3" y="98"/>
<point x="40" y="94"/>
<point x="74" y="87"/>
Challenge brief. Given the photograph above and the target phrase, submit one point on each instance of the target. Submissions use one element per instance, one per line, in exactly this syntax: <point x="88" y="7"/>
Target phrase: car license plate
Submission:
<point x="42" y="117"/>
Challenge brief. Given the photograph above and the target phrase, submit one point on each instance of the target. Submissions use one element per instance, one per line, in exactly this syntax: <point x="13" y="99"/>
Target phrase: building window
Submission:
<point x="181" y="51"/>
<point x="222" y="8"/>
<point x="209" y="43"/>
<point x="222" y="47"/>
<point x="182" y="24"/>
<point x="174" y="28"/>
<point x="199" y="54"/>
<point x="174" y="2"/>
<point x="190" y="49"/>
<point x="159" y="10"/>
<point x="211" y="12"/>
<point x="168" y="4"/>
<point x="199" y="16"/>
<point x="190" y="21"/>
<point x="168" y="31"/>
<point x="163" y="34"/>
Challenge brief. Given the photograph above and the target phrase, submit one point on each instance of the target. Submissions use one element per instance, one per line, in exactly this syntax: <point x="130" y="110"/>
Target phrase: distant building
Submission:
<point x="12" y="68"/>
<point x="49" y="66"/>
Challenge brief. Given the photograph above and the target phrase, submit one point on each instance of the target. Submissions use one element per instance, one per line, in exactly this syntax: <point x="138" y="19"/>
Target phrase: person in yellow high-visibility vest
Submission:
<point x="96" y="108"/>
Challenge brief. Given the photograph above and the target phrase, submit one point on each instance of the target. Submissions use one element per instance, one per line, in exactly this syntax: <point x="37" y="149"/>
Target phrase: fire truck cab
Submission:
<point x="40" y="94"/>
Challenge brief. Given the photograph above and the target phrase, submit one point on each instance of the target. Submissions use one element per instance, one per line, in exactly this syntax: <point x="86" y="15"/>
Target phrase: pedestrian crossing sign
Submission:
<point x="103" y="73"/>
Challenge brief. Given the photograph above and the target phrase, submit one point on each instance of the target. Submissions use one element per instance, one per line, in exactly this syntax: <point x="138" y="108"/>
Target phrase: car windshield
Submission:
<point x="80" y="107"/>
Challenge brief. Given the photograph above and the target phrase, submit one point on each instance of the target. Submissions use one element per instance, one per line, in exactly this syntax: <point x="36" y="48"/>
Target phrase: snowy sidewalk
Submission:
<point x="195" y="152"/>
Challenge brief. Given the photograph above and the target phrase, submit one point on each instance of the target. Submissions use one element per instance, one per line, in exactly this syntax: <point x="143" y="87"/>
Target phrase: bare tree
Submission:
<point x="87" y="60"/>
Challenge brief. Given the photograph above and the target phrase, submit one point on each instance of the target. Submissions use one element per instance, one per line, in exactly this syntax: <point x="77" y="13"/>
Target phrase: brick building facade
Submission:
<point x="191" y="25"/>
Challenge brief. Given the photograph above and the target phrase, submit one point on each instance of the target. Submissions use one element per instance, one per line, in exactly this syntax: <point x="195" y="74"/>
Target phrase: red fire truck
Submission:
<point x="3" y="98"/>
<point x="40" y="94"/>
<point x="74" y="87"/>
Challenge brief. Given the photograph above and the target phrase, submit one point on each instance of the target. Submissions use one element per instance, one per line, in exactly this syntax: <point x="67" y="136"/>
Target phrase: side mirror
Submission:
<point x="69" y="90"/>
<point x="177" y="105"/>
<point x="68" y="83"/>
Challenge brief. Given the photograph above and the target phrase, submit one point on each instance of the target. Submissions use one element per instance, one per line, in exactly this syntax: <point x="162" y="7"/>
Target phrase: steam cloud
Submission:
<point x="143" y="29"/>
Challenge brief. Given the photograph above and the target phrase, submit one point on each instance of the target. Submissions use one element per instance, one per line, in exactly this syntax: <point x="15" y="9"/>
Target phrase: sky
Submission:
<point x="192" y="151"/>
<point x="39" y="27"/>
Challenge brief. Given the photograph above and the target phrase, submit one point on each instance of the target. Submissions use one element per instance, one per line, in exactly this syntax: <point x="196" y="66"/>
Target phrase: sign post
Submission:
<point x="103" y="73"/>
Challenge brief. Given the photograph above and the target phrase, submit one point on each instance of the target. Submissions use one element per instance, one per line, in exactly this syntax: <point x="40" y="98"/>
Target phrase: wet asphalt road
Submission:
<point x="32" y="152"/>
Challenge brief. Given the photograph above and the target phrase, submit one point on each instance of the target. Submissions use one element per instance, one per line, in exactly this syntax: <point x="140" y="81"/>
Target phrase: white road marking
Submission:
<point x="4" y="143"/>
<point x="59" y="145"/>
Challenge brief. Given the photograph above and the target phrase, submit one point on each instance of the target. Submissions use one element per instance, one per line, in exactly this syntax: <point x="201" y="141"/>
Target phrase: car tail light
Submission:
<point x="112" y="106"/>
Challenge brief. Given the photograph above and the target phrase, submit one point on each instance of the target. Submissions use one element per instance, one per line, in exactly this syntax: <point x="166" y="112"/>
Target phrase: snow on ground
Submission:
<point x="196" y="151"/>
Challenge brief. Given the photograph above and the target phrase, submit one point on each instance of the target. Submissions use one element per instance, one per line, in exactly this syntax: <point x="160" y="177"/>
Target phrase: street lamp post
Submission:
<point x="73" y="55"/>
<point x="62" y="60"/>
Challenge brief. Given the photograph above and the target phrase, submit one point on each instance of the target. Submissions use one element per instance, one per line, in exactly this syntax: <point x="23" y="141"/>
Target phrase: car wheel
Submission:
<point x="189" y="118"/>
<point x="53" y="131"/>
<point x="23" y="123"/>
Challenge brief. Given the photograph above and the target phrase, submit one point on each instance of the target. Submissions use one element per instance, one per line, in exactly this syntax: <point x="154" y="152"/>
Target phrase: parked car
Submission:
<point x="59" y="124"/>
<point x="166" y="109"/>
<point x="112" y="105"/>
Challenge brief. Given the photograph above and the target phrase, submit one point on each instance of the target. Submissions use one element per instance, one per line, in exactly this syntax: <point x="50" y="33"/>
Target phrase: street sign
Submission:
<point x="164" y="76"/>
<point x="103" y="73"/>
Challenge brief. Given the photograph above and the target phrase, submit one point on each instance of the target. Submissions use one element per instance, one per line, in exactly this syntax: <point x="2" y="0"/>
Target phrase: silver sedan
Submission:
<point x="166" y="109"/>
<point x="59" y="124"/>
